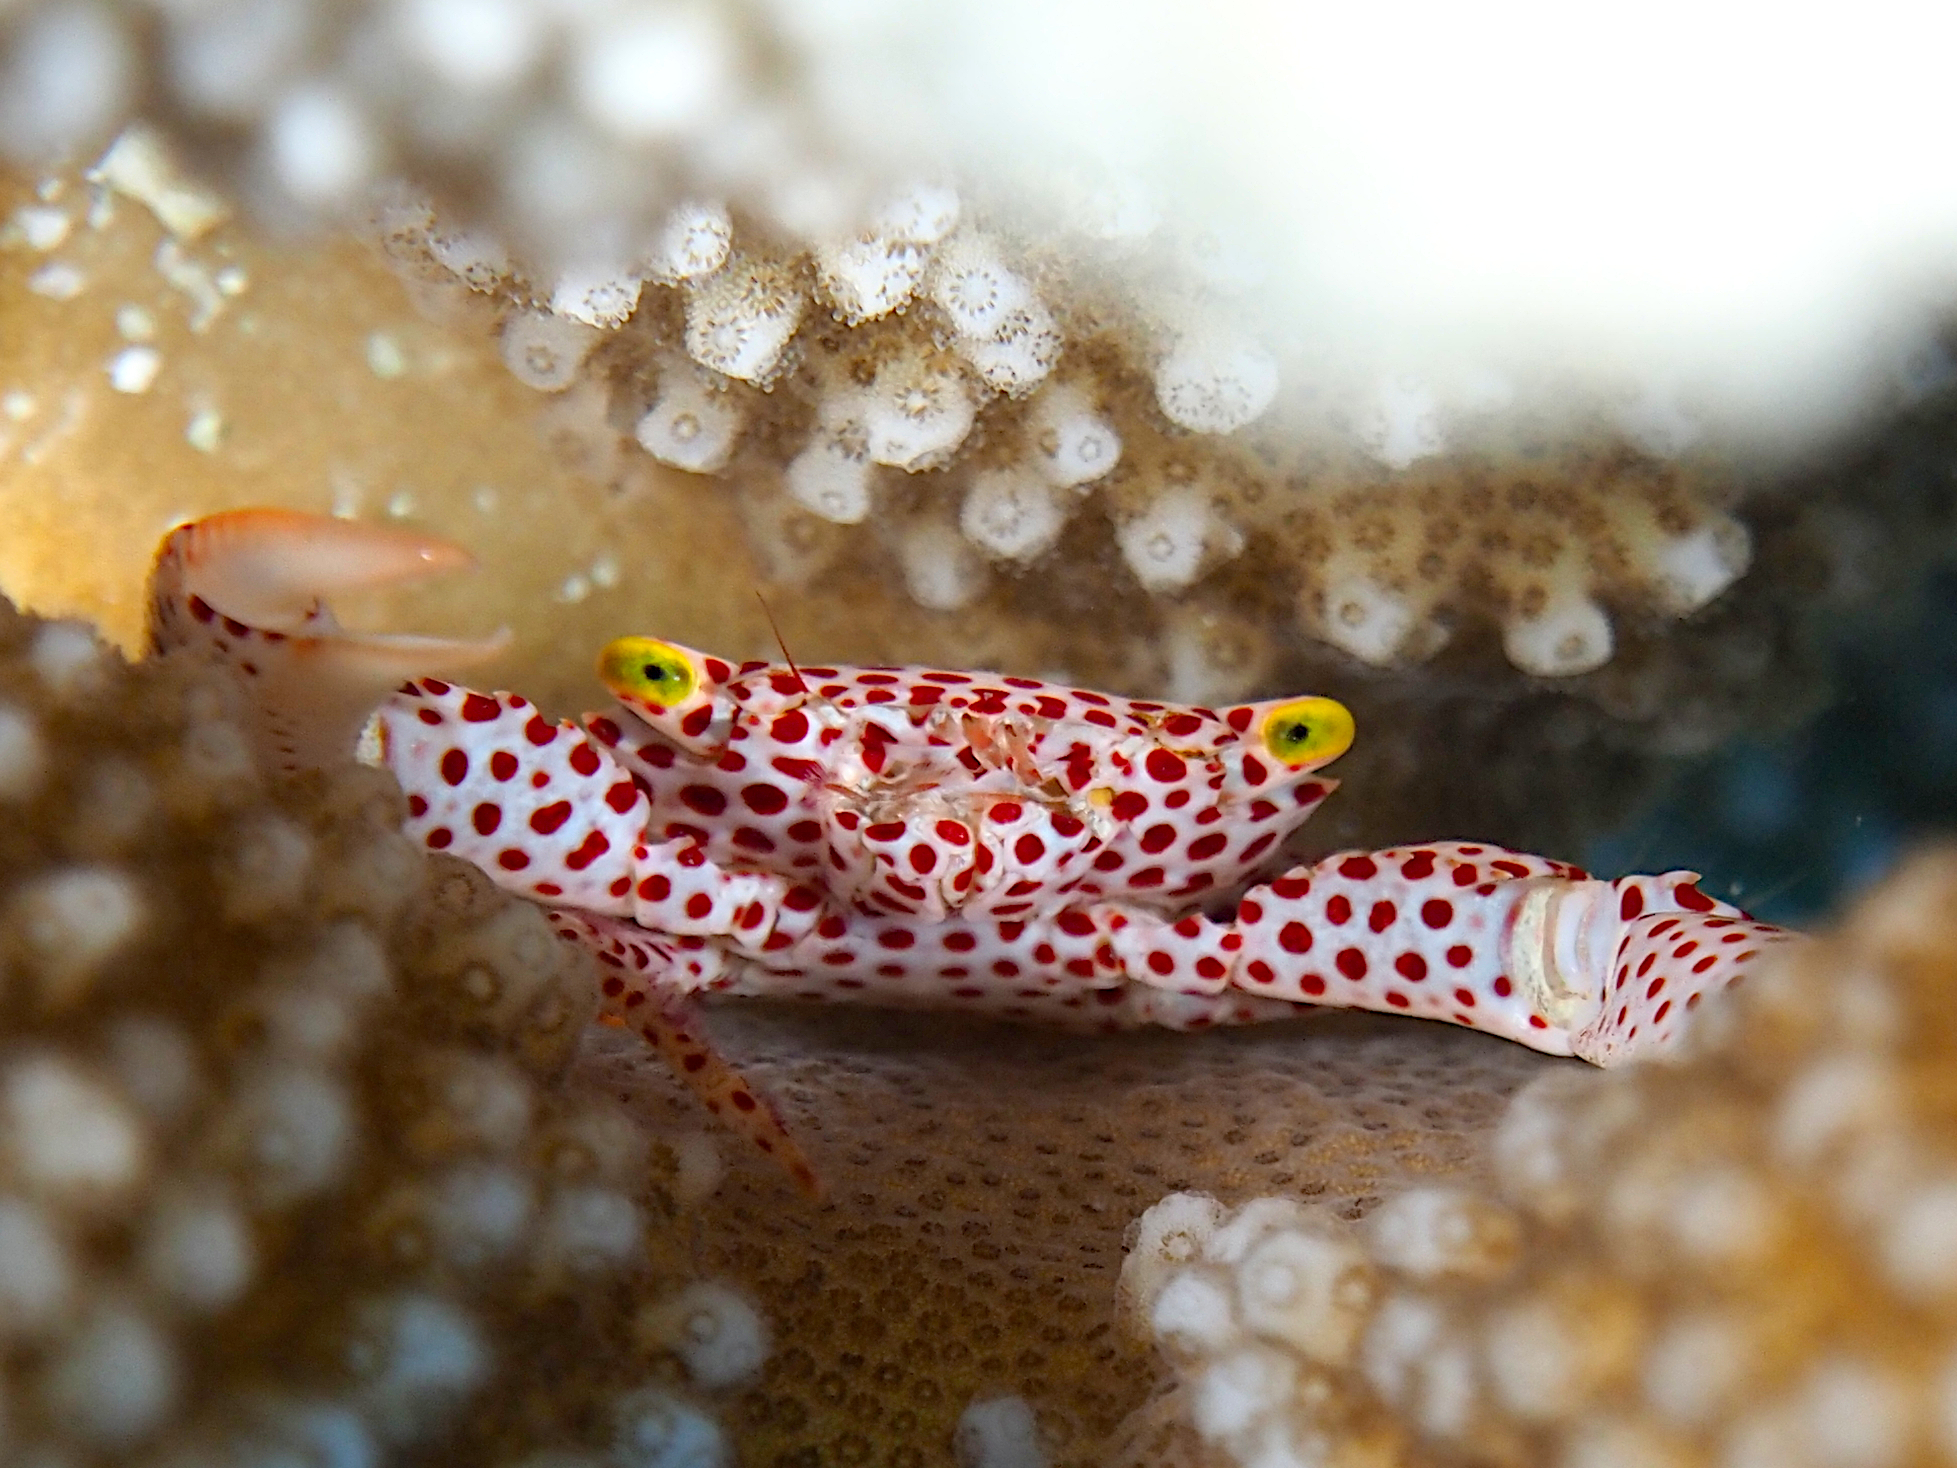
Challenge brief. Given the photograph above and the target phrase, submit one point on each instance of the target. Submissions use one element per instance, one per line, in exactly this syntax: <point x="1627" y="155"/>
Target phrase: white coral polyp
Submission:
<point x="1074" y="444"/>
<point x="973" y="287"/>
<point x="1308" y="1289"/>
<point x="321" y="147"/>
<point x="544" y="350"/>
<point x="1694" y="568"/>
<point x="694" y="241"/>
<point x="740" y="320"/>
<point x="917" y="412"/>
<point x="718" y="1335"/>
<point x="1015" y="357"/>
<point x="831" y="478"/>
<point x="473" y="45"/>
<point x="1373" y="623"/>
<point x="867" y="279"/>
<point x="645" y="72"/>
<point x="920" y="215"/>
<point x="1570" y="635"/>
<point x="940" y="571"/>
<point x="603" y="296"/>
<point x="1169" y="544"/>
<point x="689" y="426"/>
<point x="1011" y="514"/>
<point x="1211" y="384"/>
<point x="68" y="1136"/>
<point x="1403" y="423"/>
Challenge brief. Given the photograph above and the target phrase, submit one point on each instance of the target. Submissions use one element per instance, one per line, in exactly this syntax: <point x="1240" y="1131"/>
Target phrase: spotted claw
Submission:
<point x="245" y="589"/>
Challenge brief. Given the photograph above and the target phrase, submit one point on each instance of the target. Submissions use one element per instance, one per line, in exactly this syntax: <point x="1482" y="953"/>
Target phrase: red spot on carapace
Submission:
<point x="1164" y="767"/>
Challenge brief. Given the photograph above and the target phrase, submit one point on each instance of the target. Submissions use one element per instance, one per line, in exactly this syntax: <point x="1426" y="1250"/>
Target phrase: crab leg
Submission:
<point x="243" y="589"/>
<point x="1528" y="949"/>
<point x="638" y="972"/>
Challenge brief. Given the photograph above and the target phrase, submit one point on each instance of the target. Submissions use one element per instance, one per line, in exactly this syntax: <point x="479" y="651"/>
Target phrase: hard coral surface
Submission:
<point x="980" y="1181"/>
<point x="286" y="1165"/>
<point x="1745" y="1258"/>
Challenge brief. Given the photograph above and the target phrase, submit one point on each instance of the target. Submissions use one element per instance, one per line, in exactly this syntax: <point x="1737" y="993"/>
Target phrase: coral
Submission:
<point x="286" y="1161"/>
<point x="778" y="310"/>
<point x="1744" y="1257"/>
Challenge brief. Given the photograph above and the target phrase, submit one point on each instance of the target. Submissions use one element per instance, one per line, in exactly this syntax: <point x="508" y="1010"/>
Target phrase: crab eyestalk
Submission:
<point x="246" y="590"/>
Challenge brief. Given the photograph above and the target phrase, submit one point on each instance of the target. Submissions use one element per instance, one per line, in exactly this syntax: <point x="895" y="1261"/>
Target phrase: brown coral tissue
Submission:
<point x="1744" y="1258"/>
<point x="287" y="1171"/>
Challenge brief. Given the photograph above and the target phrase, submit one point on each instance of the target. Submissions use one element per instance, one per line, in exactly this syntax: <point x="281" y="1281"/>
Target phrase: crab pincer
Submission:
<point x="245" y="589"/>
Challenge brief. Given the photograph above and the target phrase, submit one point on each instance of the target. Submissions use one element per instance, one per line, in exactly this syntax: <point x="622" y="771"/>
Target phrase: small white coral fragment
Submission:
<point x="1214" y="657"/>
<point x="589" y="1230"/>
<point x="289" y="1131"/>
<point x="481" y="1212"/>
<point x="740" y="319"/>
<point x="1075" y="444"/>
<point x="1212" y="384"/>
<point x="1570" y="635"/>
<point x="714" y="1330"/>
<point x="139" y="165"/>
<point x="133" y="370"/>
<point x="544" y="350"/>
<point x="1011" y="514"/>
<point x="1018" y="353"/>
<point x="688" y="425"/>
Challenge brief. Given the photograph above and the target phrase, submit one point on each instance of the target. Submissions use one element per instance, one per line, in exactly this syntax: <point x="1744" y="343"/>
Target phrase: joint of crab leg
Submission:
<point x="1561" y="939"/>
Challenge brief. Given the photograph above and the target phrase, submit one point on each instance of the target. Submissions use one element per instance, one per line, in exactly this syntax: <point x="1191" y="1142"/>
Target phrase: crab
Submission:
<point x="926" y="837"/>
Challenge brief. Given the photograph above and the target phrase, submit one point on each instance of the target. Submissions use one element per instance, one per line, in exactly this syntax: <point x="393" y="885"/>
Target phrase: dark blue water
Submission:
<point x="1791" y="828"/>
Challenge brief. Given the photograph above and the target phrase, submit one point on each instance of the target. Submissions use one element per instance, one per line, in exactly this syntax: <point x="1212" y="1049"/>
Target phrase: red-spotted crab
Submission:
<point x="924" y="837"/>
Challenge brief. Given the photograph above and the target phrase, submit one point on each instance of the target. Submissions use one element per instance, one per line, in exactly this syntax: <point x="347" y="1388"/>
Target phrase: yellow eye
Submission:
<point x="1308" y="731"/>
<point x="648" y="670"/>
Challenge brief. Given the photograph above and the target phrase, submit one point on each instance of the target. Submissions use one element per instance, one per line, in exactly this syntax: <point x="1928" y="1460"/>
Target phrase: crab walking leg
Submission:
<point x="549" y="814"/>
<point x="244" y="589"/>
<point x="1528" y="949"/>
<point x="641" y="992"/>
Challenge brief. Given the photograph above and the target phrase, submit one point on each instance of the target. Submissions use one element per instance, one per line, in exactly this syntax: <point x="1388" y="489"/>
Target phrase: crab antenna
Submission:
<point x="780" y="641"/>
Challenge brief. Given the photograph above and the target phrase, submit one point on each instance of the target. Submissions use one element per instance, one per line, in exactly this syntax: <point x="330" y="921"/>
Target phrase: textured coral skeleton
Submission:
<point x="1745" y="1257"/>
<point x="926" y="837"/>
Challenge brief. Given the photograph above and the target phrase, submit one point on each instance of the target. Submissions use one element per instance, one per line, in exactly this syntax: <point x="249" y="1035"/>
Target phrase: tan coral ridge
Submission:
<point x="286" y="1170"/>
<point x="1746" y="1258"/>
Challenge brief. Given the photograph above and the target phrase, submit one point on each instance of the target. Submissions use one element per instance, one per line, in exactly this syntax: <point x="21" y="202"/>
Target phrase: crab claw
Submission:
<point x="245" y="589"/>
